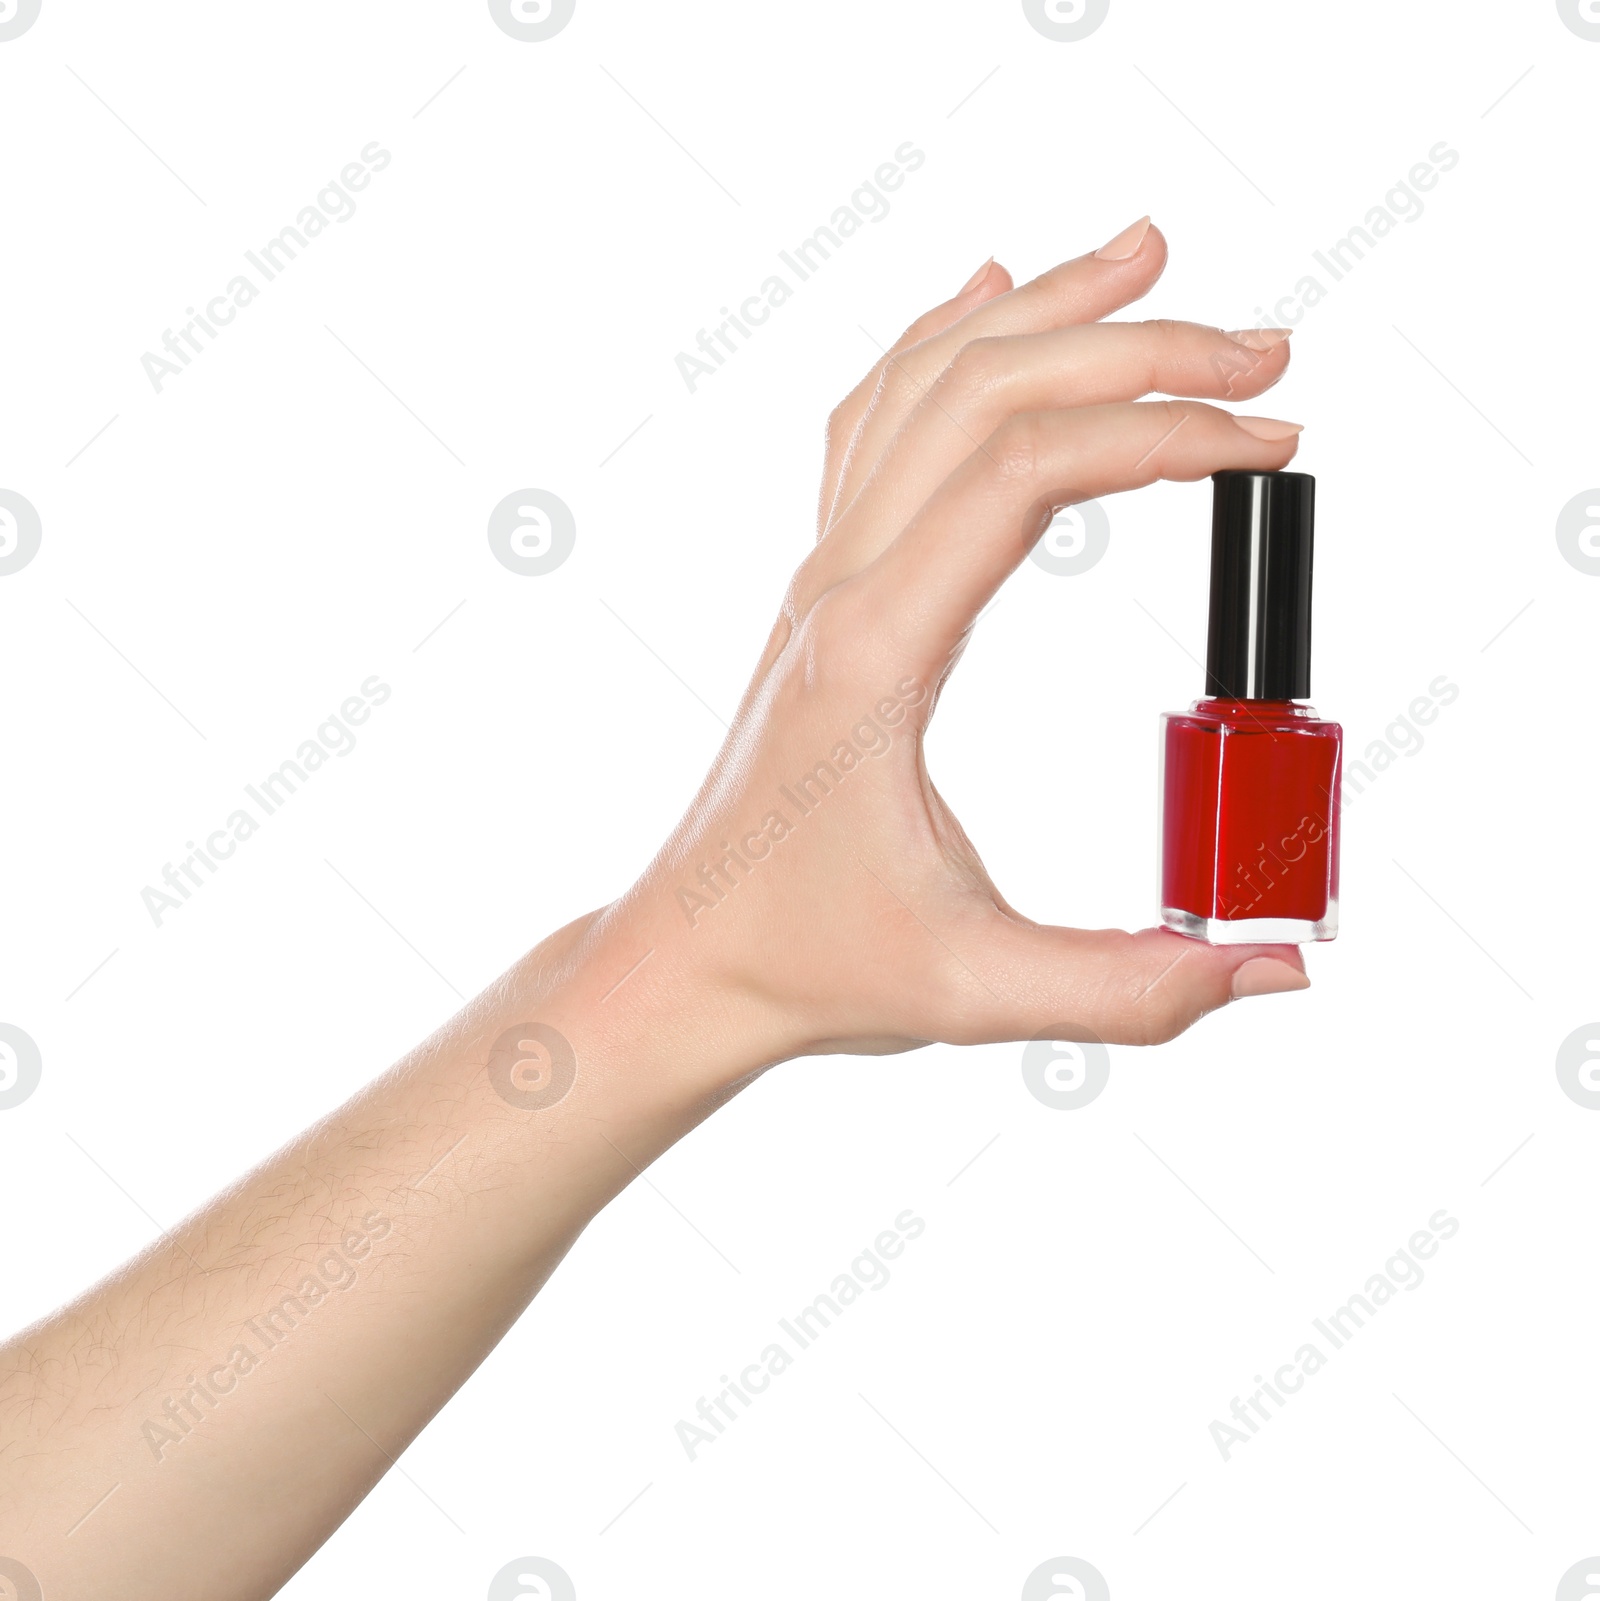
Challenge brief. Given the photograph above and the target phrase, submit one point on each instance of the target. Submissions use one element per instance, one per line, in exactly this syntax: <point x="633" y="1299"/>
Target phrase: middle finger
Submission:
<point x="989" y="380"/>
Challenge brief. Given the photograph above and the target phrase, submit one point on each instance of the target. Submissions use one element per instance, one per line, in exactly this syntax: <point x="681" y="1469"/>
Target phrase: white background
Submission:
<point x="1095" y="1288"/>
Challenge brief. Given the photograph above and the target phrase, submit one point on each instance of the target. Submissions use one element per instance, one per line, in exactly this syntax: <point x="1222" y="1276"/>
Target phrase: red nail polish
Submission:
<point x="1250" y="774"/>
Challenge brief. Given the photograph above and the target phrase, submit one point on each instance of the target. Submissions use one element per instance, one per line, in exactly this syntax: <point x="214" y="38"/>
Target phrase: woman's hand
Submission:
<point x="817" y="896"/>
<point x="819" y="885"/>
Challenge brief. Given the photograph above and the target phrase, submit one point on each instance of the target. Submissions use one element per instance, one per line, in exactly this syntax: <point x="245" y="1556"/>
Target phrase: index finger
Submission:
<point x="1085" y="289"/>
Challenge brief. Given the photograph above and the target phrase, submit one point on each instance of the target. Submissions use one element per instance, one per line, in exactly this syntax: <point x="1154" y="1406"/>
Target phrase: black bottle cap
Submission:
<point x="1259" y="643"/>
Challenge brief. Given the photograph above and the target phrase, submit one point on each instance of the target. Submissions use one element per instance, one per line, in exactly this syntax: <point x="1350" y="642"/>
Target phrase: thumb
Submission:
<point x="1130" y="989"/>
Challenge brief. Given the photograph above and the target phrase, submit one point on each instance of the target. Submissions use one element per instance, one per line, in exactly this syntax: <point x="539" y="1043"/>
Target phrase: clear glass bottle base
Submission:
<point x="1253" y="930"/>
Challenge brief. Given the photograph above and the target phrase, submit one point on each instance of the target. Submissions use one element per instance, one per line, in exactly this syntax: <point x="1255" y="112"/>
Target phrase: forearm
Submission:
<point x="249" y="1378"/>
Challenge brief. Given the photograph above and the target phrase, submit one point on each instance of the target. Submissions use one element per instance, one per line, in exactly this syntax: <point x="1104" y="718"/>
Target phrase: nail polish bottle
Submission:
<point x="1250" y="774"/>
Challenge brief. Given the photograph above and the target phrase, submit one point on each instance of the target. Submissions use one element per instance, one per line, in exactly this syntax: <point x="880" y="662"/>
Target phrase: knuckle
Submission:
<point x="1141" y="1008"/>
<point x="1155" y="1024"/>
<point x="897" y="387"/>
<point x="1170" y="417"/>
<point x="840" y="637"/>
<point x="1152" y="1019"/>
<point x="956" y="1027"/>
<point x="1166" y="341"/>
<point x="810" y="581"/>
<point x="976" y="367"/>
<point x="1017" y="446"/>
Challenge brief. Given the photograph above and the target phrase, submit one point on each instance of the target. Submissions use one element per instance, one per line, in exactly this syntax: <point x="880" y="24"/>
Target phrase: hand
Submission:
<point x="818" y="896"/>
<point x="819" y="882"/>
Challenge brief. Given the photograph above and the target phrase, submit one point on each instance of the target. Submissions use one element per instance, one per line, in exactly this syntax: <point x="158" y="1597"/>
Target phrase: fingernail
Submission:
<point x="1126" y="243"/>
<point x="1270" y="429"/>
<point x="1266" y="975"/>
<point x="1259" y="338"/>
<point x="976" y="279"/>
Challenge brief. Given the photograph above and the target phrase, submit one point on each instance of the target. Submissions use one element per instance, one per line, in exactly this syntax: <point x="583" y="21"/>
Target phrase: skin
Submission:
<point x="869" y="926"/>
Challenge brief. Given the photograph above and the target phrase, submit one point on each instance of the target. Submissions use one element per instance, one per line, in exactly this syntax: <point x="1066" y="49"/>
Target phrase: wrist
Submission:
<point x="648" y="1029"/>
